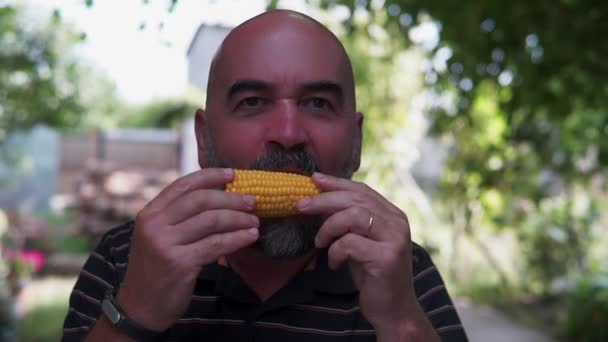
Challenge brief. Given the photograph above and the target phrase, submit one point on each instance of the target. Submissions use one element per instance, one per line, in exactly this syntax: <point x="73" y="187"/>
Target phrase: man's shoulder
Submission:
<point x="421" y="259"/>
<point x="419" y="252"/>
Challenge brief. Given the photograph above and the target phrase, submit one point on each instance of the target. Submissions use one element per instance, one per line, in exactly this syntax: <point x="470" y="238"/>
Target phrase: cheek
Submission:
<point x="238" y="145"/>
<point x="334" y="150"/>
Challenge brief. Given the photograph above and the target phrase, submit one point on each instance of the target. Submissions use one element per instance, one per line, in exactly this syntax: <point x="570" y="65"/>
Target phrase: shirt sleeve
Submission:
<point x="434" y="298"/>
<point x="98" y="275"/>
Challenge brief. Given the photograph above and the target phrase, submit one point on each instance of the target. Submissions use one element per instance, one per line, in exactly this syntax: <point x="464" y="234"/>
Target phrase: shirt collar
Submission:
<point x="322" y="279"/>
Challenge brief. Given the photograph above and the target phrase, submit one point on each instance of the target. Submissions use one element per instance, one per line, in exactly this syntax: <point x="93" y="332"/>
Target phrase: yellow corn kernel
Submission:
<point x="276" y="193"/>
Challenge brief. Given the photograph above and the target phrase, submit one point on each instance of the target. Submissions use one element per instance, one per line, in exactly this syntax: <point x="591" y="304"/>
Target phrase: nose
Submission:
<point x="286" y="126"/>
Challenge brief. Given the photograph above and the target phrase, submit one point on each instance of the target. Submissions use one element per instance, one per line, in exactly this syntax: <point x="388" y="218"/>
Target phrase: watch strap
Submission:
<point x="128" y="326"/>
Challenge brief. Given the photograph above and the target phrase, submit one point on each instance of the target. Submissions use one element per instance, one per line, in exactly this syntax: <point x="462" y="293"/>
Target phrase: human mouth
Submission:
<point x="292" y="169"/>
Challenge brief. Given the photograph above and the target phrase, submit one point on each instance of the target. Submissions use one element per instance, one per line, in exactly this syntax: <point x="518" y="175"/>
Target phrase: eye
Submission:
<point x="251" y="102"/>
<point x="320" y="103"/>
<point x="317" y="103"/>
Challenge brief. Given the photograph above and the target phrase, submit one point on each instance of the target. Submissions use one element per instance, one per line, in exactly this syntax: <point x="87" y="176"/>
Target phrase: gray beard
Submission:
<point x="280" y="238"/>
<point x="287" y="238"/>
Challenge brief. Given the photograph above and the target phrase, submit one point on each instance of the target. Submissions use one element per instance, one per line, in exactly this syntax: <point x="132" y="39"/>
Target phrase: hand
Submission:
<point x="373" y="235"/>
<point x="187" y="226"/>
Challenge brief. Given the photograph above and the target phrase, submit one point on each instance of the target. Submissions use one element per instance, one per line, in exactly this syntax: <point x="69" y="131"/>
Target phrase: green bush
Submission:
<point x="587" y="319"/>
<point x="73" y="243"/>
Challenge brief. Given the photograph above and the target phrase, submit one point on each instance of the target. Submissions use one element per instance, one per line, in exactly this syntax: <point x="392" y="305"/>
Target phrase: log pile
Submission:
<point x="107" y="196"/>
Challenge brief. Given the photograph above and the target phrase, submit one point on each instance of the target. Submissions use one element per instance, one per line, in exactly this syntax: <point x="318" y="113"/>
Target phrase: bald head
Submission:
<point x="272" y="44"/>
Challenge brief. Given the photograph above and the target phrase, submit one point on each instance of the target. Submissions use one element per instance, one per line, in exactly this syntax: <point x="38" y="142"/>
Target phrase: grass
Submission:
<point x="43" y="323"/>
<point x="44" y="304"/>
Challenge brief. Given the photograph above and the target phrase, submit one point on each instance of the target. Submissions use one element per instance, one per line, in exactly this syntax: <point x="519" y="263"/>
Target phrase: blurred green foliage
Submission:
<point x="540" y="64"/>
<point x="38" y="72"/>
<point x="588" y="311"/>
<point x="43" y="80"/>
<point x="163" y="113"/>
<point x="72" y="243"/>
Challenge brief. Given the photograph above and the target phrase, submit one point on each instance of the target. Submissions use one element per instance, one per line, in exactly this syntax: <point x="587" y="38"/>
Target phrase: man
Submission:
<point x="196" y="264"/>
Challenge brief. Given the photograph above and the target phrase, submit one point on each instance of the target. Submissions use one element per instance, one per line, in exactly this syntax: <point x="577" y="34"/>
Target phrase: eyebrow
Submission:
<point x="245" y="85"/>
<point x="325" y="86"/>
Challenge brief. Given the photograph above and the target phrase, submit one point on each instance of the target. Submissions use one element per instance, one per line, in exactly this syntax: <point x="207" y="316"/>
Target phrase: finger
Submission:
<point x="197" y="201"/>
<point x="212" y="222"/>
<point x="352" y="247"/>
<point x="202" y="179"/>
<point x="353" y="220"/>
<point x="331" y="183"/>
<point x="208" y="250"/>
<point x="334" y="201"/>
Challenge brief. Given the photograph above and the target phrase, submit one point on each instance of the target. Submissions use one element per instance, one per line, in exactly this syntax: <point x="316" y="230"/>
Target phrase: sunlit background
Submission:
<point x="485" y="121"/>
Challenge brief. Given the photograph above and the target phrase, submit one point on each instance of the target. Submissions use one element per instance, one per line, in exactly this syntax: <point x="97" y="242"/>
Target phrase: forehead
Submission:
<point x="282" y="53"/>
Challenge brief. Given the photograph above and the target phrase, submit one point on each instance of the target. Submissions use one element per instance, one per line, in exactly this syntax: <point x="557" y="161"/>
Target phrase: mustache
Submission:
<point x="278" y="157"/>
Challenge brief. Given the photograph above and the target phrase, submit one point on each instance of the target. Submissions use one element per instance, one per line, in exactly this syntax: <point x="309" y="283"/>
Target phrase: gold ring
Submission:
<point x="369" y="225"/>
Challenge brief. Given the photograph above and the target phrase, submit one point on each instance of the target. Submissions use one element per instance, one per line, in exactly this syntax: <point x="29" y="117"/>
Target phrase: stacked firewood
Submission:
<point x="107" y="196"/>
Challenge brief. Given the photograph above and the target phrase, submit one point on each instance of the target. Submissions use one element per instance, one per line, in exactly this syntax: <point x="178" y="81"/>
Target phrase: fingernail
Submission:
<point x="253" y="231"/>
<point x="228" y="172"/>
<point x="303" y="203"/>
<point x="318" y="175"/>
<point x="317" y="241"/>
<point x="250" y="200"/>
<point x="255" y="221"/>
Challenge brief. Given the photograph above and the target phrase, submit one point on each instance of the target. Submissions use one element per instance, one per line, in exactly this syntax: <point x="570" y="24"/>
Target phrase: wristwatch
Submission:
<point x="126" y="326"/>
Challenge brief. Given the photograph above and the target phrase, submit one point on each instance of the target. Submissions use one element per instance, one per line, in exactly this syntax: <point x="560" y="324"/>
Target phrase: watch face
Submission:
<point x="110" y="310"/>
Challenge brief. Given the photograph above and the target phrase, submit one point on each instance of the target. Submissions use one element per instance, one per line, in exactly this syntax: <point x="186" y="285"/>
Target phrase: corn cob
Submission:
<point x="276" y="193"/>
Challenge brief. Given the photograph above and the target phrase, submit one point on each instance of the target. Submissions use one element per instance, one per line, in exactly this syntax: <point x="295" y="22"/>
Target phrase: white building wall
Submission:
<point x="200" y="54"/>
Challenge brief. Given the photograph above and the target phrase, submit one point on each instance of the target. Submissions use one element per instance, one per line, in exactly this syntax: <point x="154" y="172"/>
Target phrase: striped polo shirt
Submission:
<point x="317" y="305"/>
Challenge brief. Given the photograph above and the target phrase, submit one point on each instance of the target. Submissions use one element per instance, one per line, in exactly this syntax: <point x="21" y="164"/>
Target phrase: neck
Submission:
<point x="264" y="275"/>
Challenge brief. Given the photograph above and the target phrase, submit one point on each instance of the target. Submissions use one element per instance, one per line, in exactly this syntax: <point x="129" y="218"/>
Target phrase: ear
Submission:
<point x="358" y="141"/>
<point x="200" y="121"/>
